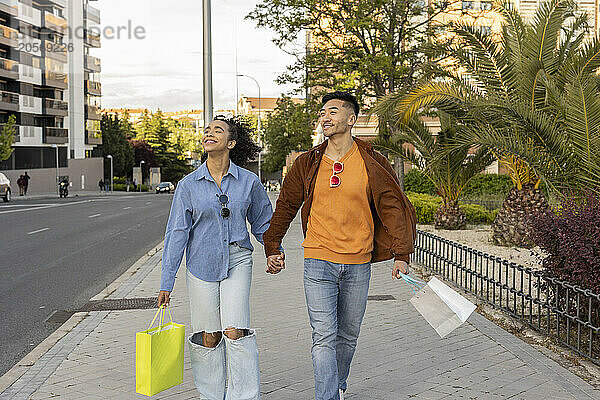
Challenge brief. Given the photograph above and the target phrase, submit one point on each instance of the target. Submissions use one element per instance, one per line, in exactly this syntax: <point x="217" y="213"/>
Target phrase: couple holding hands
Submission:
<point x="353" y="214"/>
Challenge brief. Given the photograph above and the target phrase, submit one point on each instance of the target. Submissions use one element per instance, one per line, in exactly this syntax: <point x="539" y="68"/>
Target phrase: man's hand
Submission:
<point x="163" y="297"/>
<point x="400" y="266"/>
<point x="275" y="263"/>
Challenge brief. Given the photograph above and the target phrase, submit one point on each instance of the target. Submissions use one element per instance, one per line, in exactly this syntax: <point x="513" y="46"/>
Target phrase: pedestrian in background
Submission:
<point x="21" y="185"/>
<point x="26" y="179"/>
<point x="101" y="184"/>
<point x="354" y="213"/>
<point x="208" y="221"/>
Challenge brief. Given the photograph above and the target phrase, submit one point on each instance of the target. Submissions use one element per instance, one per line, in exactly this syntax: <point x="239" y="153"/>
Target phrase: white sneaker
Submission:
<point x="341" y="394"/>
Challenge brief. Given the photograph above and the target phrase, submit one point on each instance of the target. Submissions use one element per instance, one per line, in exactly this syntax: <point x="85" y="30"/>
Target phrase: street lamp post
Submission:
<point x="111" y="172"/>
<point x="258" y="126"/>
<point x="141" y="174"/>
<point x="207" y="62"/>
<point x="57" y="172"/>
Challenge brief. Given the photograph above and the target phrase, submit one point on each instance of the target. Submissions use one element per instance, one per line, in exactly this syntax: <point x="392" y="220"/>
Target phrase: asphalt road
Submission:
<point x="55" y="254"/>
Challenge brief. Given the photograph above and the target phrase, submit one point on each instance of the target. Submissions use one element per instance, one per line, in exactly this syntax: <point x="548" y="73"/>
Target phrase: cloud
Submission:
<point x="165" y="69"/>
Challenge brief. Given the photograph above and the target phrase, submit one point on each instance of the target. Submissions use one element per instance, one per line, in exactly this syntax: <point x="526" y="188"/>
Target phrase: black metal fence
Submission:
<point x="556" y="308"/>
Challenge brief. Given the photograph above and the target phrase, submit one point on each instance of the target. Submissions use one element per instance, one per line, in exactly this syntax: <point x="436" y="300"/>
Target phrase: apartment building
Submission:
<point x="49" y="80"/>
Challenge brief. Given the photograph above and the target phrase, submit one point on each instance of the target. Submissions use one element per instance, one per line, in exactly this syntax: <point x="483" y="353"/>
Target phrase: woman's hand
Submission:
<point x="163" y="297"/>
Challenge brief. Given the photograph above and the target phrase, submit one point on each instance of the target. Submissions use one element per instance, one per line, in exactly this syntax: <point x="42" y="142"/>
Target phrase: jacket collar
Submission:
<point x="202" y="171"/>
<point x="318" y="150"/>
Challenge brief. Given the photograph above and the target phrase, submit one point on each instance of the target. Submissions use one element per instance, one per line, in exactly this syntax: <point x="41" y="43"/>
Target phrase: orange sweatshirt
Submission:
<point x="340" y="225"/>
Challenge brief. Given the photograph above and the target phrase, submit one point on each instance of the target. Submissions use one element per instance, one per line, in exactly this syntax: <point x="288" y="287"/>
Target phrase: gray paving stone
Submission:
<point x="399" y="356"/>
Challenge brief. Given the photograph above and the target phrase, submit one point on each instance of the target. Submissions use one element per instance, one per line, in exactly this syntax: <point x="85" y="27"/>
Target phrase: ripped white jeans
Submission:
<point x="230" y="370"/>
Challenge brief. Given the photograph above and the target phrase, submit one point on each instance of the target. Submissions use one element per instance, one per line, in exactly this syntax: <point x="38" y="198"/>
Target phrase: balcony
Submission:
<point x="93" y="88"/>
<point x="53" y="135"/>
<point x="30" y="104"/>
<point x="92" y="63"/>
<point x="92" y="112"/>
<point x="56" y="79"/>
<point x="10" y="7"/>
<point x="9" y="101"/>
<point x="56" y="107"/>
<point x="55" y="23"/>
<point x="56" y="51"/>
<point x="93" y="137"/>
<point x="93" y="14"/>
<point x="30" y="45"/>
<point x="30" y="74"/>
<point x="9" y="68"/>
<point x="30" y="15"/>
<point x="91" y="39"/>
<point x="9" y="36"/>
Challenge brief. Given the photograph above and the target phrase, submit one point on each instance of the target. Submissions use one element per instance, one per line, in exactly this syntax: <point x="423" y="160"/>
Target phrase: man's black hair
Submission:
<point x="344" y="96"/>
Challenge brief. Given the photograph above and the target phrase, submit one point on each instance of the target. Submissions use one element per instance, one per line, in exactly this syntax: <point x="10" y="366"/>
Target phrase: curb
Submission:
<point x="27" y="362"/>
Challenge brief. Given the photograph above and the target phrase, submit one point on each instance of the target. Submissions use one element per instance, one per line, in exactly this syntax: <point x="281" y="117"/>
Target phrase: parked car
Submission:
<point x="4" y="188"/>
<point x="165" y="187"/>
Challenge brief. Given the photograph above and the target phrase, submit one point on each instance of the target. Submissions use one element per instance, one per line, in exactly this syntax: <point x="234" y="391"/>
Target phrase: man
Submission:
<point x="26" y="179"/>
<point x="354" y="213"/>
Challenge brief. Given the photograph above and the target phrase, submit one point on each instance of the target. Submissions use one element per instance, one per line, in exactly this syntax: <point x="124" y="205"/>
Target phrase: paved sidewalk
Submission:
<point x="399" y="356"/>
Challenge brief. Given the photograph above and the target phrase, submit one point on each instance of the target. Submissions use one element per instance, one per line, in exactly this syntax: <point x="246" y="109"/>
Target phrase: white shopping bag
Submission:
<point x="443" y="308"/>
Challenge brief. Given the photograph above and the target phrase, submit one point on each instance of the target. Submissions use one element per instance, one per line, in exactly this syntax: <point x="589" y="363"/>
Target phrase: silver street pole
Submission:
<point x="207" y="63"/>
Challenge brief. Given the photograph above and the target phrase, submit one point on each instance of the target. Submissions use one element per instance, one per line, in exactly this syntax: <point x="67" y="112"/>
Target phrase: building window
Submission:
<point x="485" y="30"/>
<point x="468" y="5"/>
<point x="485" y="5"/>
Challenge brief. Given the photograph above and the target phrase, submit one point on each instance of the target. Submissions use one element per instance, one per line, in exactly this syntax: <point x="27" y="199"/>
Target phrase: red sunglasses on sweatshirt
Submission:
<point x="335" y="180"/>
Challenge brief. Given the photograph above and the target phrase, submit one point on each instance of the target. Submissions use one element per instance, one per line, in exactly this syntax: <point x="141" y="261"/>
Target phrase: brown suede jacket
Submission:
<point x="393" y="214"/>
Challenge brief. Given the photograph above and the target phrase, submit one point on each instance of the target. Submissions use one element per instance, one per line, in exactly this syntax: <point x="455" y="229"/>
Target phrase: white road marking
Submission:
<point x="126" y="208"/>
<point x="148" y="202"/>
<point x="38" y="231"/>
<point x="48" y="206"/>
<point x="27" y="205"/>
<point x="94" y="216"/>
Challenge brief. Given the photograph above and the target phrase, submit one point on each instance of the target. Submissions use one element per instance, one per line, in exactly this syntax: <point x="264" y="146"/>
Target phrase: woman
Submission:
<point x="208" y="220"/>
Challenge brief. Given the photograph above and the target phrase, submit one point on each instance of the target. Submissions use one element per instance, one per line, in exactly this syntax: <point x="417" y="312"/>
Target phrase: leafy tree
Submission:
<point x="7" y="137"/>
<point x="155" y="133"/>
<point x="287" y="128"/>
<point x="448" y="167"/>
<point x="531" y="97"/>
<point x="143" y="152"/>
<point x="115" y="143"/>
<point x="372" y="47"/>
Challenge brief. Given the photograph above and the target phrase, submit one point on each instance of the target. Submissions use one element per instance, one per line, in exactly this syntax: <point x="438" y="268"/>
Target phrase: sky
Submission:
<point x="163" y="68"/>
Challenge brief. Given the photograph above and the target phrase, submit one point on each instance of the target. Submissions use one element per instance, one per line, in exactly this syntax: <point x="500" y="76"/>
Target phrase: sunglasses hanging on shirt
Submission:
<point x="335" y="180"/>
<point x="224" y="200"/>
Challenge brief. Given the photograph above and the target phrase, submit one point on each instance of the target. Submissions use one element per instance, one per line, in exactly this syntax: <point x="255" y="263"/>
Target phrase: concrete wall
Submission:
<point x="43" y="180"/>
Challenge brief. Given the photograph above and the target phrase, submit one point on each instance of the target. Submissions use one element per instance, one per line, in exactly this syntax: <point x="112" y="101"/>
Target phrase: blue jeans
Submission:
<point x="230" y="370"/>
<point x="336" y="296"/>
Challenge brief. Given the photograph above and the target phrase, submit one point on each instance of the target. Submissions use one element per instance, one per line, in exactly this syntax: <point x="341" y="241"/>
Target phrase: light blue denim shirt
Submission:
<point x="196" y="225"/>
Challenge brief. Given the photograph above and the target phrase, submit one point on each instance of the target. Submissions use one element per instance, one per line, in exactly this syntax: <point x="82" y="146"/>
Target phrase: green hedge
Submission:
<point x="426" y="206"/>
<point x="482" y="185"/>
<point x="120" y="187"/>
<point x="415" y="181"/>
<point x="487" y="184"/>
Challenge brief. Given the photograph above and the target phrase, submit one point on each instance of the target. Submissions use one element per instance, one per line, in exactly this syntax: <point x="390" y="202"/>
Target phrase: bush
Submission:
<point x="477" y="214"/>
<point x="120" y="180"/>
<point x="488" y="184"/>
<point x="570" y="240"/>
<point x="426" y="206"/>
<point x="120" y="187"/>
<point x="416" y="182"/>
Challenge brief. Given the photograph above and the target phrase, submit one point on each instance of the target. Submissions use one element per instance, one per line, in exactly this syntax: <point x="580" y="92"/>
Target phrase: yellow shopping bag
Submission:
<point x="159" y="356"/>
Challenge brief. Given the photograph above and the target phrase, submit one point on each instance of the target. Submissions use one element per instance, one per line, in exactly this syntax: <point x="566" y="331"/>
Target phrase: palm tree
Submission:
<point x="447" y="166"/>
<point x="530" y="96"/>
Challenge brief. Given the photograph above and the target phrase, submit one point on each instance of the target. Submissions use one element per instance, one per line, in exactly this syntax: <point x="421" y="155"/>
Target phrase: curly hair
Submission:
<point x="245" y="149"/>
